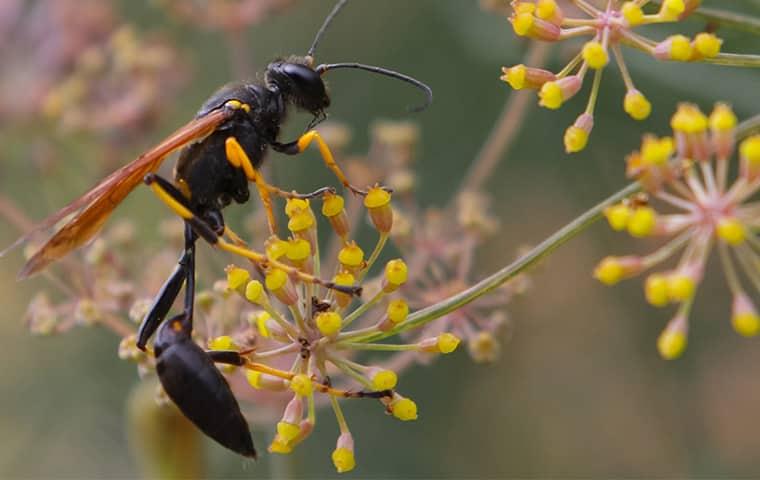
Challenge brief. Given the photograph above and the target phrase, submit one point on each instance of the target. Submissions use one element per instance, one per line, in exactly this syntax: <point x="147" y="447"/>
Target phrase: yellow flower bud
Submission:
<point x="618" y="216"/>
<point x="595" y="55"/>
<point x="636" y="105"/>
<point x="301" y="385"/>
<point x="404" y="409"/>
<point x="447" y="342"/>
<point x="642" y="222"/>
<point x="328" y="323"/>
<point x="731" y="231"/>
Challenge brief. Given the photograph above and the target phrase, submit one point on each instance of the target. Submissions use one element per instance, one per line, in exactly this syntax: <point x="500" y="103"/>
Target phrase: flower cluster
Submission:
<point x="689" y="172"/>
<point x="119" y="85"/>
<point x="442" y="252"/>
<point x="609" y="28"/>
<point x="223" y="14"/>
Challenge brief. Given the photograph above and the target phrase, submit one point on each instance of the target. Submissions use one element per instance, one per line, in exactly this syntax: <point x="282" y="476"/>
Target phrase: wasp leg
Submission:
<point x="190" y="378"/>
<point x="173" y="199"/>
<point x="170" y="290"/>
<point x="239" y="159"/>
<point x="303" y="142"/>
<point x="320" y="387"/>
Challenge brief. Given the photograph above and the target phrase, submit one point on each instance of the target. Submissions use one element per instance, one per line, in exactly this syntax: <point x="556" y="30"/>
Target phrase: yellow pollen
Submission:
<point x="287" y="431"/>
<point x="689" y="119"/>
<point x="671" y="9"/>
<point x="254" y="378"/>
<point x="707" y="44"/>
<point x="522" y="23"/>
<point x="301" y="385"/>
<point x="298" y="250"/>
<point x="656" y="151"/>
<point x="609" y="271"/>
<point x="680" y="287"/>
<point x="746" y="324"/>
<point x="447" y="342"/>
<point x="295" y="205"/>
<point x="671" y="344"/>
<point x="237" y="277"/>
<point x="275" y="279"/>
<point x="656" y="290"/>
<point x="384" y="380"/>
<point x="396" y="272"/>
<point x="575" y="139"/>
<point x="404" y="409"/>
<point x="254" y="292"/>
<point x="351" y="255"/>
<point x="376" y="198"/>
<point x="261" y="324"/>
<point x="642" y="222"/>
<point x="223" y="342"/>
<point x="328" y="323"/>
<point x="731" y="231"/>
<point x="618" y="216"/>
<point x="300" y="221"/>
<point x="722" y="118"/>
<point x="344" y="278"/>
<point x="276" y="248"/>
<point x="397" y="311"/>
<point x="550" y="95"/>
<point x="595" y="55"/>
<point x="632" y="13"/>
<point x="749" y="150"/>
<point x="343" y="459"/>
<point x="636" y="105"/>
<point x="332" y="205"/>
<point x="515" y="76"/>
<point x="680" y="48"/>
<point x="546" y="9"/>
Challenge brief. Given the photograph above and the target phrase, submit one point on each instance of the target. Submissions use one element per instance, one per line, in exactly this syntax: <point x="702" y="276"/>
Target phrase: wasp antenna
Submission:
<point x="388" y="73"/>
<point x="338" y="6"/>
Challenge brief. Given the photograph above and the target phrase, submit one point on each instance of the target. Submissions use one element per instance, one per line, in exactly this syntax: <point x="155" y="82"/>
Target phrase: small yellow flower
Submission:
<point x="595" y="55"/>
<point x="680" y="48"/>
<point x="636" y="105"/>
<point x="681" y="287"/>
<point x="642" y="222"/>
<point x="397" y="311"/>
<point x="632" y="13"/>
<point x="656" y="290"/>
<point x="343" y="459"/>
<point x="404" y="409"/>
<point x="328" y="323"/>
<point x="746" y="324"/>
<point x="671" y="344"/>
<point x="672" y="9"/>
<point x="384" y="380"/>
<point x="447" y="342"/>
<point x="731" y="231"/>
<point x="618" y="216"/>
<point x="301" y="385"/>
<point x="707" y="45"/>
<point x="223" y="342"/>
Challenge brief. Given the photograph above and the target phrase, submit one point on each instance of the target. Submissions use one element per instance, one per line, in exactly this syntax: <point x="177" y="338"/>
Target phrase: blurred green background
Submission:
<point x="579" y="391"/>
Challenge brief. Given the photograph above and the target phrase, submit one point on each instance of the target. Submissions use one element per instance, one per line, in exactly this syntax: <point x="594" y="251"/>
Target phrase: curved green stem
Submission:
<point x="560" y="237"/>
<point x="734" y="60"/>
<point x="421" y="317"/>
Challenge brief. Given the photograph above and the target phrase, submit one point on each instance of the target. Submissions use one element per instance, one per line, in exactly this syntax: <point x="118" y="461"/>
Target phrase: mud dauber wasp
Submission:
<point x="221" y="150"/>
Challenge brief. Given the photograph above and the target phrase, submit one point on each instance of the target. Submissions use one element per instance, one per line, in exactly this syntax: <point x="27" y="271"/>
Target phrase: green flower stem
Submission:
<point x="560" y="237"/>
<point x="426" y="315"/>
<point x="737" y="21"/>
<point x="734" y="60"/>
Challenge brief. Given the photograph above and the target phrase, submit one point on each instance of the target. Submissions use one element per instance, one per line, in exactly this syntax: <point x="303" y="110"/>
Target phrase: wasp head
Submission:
<point x="300" y="85"/>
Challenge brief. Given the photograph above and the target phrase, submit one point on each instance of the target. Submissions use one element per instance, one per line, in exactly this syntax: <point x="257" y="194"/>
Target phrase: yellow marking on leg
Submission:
<point x="264" y="261"/>
<point x="321" y="387"/>
<point x="177" y="207"/>
<point x="303" y="143"/>
<point x="239" y="159"/>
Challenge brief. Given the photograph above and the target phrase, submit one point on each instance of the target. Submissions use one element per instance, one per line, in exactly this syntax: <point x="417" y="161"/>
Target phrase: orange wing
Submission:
<point x="96" y="205"/>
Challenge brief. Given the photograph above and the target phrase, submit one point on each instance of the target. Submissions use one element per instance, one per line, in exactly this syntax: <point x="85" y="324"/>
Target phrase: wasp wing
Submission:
<point x="96" y="205"/>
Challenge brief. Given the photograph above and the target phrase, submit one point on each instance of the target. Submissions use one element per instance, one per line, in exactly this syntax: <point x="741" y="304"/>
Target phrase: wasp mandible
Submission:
<point x="221" y="150"/>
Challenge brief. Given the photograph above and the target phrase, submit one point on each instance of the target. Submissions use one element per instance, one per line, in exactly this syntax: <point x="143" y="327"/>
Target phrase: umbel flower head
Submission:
<point x="306" y="342"/>
<point x="608" y="29"/>
<point x="688" y="174"/>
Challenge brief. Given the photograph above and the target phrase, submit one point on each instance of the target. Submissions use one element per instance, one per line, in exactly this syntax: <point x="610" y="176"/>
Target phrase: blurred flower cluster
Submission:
<point x="689" y="173"/>
<point x="76" y="62"/>
<point x="609" y="27"/>
<point x="228" y="15"/>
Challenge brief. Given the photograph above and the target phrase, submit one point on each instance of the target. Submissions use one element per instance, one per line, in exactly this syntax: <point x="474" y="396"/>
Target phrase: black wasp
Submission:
<point x="222" y="148"/>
